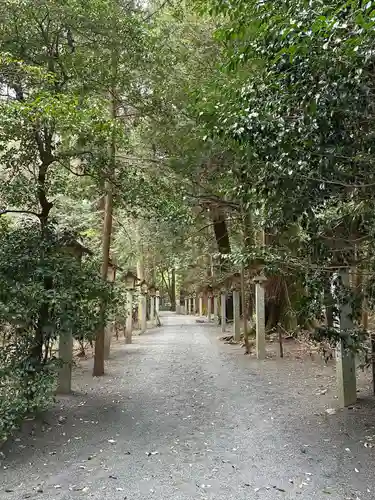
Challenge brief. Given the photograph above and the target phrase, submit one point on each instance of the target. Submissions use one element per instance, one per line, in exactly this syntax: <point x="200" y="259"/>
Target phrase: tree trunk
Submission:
<point x="244" y="312"/>
<point x="280" y="333"/>
<point x="221" y="231"/>
<point x="328" y="305"/>
<point x="35" y="357"/>
<point x="223" y="244"/>
<point x="107" y="230"/>
<point x="106" y="244"/>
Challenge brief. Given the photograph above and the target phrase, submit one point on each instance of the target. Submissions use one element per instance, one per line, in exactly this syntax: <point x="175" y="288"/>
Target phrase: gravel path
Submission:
<point x="182" y="416"/>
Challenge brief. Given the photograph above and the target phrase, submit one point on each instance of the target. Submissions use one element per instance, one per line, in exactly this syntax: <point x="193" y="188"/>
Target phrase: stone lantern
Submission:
<point x="186" y="304"/>
<point x="130" y="280"/>
<point x="157" y="301"/>
<point x="209" y="302"/>
<point x="76" y="250"/>
<point x="152" y="292"/>
<point x="223" y="307"/>
<point x="236" y="288"/>
<point x="215" y="292"/>
<point x="143" y="301"/>
<point x="201" y="304"/>
<point x="111" y="277"/>
<point x="144" y="287"/>
<point x="111" y="272"/>
<point x="190" y="304"/>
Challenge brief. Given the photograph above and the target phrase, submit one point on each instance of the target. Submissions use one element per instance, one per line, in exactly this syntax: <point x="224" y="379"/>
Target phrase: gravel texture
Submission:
<point x="181" y="416"/>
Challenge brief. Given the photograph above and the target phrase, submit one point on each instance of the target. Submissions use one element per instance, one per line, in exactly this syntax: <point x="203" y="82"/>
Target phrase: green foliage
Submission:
<point x="21" y="394"/>
<point x="297" y="110"/>
<point x="302" y="111"/>
<point x="45" y="292"/>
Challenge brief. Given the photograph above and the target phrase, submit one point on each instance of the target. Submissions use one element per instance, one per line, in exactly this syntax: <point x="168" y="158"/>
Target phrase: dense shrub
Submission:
<point x="46" y="290"/>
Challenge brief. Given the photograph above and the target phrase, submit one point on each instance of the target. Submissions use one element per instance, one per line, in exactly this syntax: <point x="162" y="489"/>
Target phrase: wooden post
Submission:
<point x="152" y="307"/>
<point x="186" y="306"/>
<point x="216" y="308"/>
<point x="200" y="304"/>
<point x="244" y="308"/>
<point x="236" y="315"/>
<point x="141" y="277"/>
<point x="364" y="321"/>
<point x="66" y="356"/>
<point x="157" y="308"/>
<point x="345" y="359"/>
<point x="223" y="311"/>
<point x="140" y="304"/>
<point x="107" y="340"/>
<point x="260" y="317"/>
<point x="209" y="307"/>
<point x="129" y="317"/>
<point x="143" y="303"/>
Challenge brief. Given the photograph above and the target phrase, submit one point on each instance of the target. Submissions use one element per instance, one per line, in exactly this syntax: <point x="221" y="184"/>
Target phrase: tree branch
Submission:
<point x="25" y="212"/>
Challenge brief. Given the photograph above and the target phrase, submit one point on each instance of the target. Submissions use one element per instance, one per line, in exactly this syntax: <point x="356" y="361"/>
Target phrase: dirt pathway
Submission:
<point x="181" y="416"/>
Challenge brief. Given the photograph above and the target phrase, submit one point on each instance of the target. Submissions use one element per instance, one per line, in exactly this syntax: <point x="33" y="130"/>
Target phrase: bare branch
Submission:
<point x="335" y="183"/>
<point x="214" y="199"/>
<point x="135" y="158"/>
<point x="156" y="11"/>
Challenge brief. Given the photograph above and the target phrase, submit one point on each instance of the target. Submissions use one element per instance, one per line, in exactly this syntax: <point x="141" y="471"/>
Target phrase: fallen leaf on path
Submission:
<point x="330" y="411"/>
<point x="77" y="488"/>
<point x="279" y="489"/>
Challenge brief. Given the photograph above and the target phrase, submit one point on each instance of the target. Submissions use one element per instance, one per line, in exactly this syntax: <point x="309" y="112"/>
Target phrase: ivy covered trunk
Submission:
<point x="223" y="245"/>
